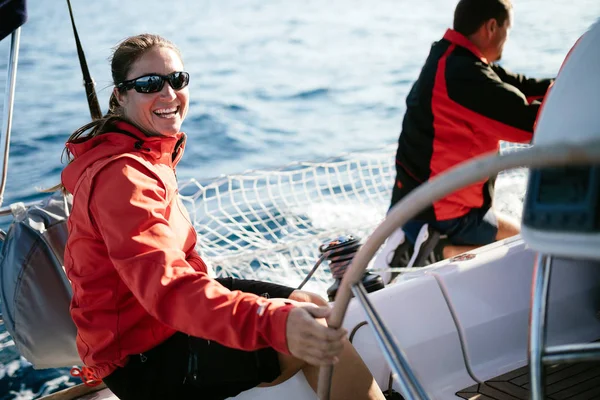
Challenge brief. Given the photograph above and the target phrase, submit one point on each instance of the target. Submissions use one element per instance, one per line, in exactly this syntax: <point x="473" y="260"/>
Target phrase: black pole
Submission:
<point x="89" y="84"/>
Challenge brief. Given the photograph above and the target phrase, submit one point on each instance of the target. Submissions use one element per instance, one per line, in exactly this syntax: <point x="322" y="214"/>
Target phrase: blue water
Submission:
<point x="273" y="82"/>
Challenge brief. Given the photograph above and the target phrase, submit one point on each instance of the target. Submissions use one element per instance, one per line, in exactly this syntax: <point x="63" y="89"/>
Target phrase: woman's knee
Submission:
<point x="507" y="227"/>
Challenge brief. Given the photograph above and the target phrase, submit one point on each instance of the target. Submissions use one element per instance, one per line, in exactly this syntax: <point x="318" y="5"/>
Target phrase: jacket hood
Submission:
<point x="126" y="138"/>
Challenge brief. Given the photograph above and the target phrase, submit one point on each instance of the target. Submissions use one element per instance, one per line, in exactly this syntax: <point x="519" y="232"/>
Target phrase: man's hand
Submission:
<point x="309" y="338"/>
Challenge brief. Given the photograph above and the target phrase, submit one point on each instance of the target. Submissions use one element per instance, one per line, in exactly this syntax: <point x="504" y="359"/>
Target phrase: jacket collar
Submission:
<point x="167" y="149"/>
<point x="461" y="40"/>
<point x="124" y="138"/>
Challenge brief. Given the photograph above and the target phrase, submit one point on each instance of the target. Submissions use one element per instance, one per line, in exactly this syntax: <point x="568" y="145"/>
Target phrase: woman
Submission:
<point x="151" y="322"/>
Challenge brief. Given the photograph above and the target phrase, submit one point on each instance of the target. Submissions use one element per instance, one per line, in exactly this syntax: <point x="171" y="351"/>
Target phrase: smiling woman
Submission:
<point x="150" y="321"/>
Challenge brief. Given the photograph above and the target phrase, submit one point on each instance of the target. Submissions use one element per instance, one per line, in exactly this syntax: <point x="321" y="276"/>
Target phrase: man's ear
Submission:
<point x="491" y="26"/>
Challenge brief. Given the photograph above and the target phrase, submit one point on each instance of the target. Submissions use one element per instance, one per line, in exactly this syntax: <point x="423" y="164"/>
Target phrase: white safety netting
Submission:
<point x="268" y="225"/>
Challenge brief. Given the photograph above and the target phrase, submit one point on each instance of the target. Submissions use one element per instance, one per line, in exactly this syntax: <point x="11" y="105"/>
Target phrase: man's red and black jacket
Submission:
<point x="460" y="107"/>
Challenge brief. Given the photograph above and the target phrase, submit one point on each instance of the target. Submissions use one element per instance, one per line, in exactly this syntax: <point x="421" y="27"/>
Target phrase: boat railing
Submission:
<point x="9" y="102"/>
<point x="7" y="210"/>
<point x="9" y="105"/>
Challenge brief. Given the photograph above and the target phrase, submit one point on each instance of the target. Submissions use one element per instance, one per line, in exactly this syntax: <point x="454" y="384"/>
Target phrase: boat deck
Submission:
<point x="565" y="381"/>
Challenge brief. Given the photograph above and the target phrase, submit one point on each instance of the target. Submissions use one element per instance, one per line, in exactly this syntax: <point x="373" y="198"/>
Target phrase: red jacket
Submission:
<point x="130" y="256"/>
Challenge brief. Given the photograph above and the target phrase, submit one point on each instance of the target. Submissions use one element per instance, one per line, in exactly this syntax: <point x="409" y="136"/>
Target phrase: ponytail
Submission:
<point x="90" y="130"/>
<point x="97" y="127"/>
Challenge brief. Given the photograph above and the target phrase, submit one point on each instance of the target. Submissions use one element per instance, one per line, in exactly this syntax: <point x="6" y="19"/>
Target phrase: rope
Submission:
<point x="355" y="329"/>
<point x="340" y="259"/>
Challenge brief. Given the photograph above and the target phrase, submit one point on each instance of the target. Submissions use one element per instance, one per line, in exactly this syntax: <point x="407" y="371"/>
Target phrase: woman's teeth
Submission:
<point x="166" y="112"/>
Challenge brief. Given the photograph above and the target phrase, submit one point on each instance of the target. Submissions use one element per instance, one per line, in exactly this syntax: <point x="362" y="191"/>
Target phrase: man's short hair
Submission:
<point x="469" y="15"/>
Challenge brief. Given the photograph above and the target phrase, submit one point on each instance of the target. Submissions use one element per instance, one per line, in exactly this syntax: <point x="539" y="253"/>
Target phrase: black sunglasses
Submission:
<point x="154" y="82"/>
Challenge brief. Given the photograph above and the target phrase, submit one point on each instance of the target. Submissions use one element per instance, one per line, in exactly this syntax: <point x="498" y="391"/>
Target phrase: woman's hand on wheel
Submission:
<point x="309" y="338"/>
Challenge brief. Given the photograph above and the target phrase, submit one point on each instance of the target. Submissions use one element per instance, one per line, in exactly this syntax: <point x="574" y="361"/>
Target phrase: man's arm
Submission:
<point x="489" y="104"/>
<point x="530" y="87"/>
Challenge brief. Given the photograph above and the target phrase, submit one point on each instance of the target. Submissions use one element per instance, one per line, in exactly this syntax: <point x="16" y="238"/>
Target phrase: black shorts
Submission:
<point x="186" y="367"/>
<point x="477" y="228"/>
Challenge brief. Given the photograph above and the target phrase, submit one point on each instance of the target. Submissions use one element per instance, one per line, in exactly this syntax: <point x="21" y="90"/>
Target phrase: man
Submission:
<point x="459" y="108"/>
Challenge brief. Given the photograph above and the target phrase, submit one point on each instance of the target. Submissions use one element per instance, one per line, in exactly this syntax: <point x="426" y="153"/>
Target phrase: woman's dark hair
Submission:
<point x="469" y="15"/>
<point x="125" y="54"/>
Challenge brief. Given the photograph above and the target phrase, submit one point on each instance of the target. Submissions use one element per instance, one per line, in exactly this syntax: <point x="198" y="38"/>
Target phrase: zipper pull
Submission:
<point x="195" y="375"/>
<point x="143" y="358"/>
<point x="190" y="367"/>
